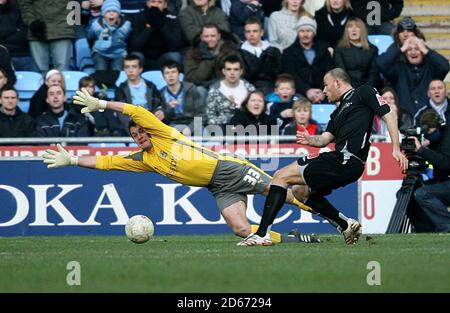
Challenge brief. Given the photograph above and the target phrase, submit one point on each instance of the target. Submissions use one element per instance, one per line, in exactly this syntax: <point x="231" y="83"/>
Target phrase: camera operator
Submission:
<point x="434" y="198"/>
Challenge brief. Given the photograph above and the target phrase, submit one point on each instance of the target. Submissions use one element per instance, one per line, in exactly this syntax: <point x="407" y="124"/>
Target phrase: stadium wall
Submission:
<point x="77" y="201"/>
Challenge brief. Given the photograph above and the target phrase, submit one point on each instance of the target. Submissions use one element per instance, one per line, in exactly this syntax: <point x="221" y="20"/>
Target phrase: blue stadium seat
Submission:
<point x="72" y="78"/>
<point x="24" y="105"/>
<point x="321" y="113"/>
<point x="382" y="42"/>
<point x="122" y="77"/>
<point x="83" y="57"/>
<point x="28" y="83"/>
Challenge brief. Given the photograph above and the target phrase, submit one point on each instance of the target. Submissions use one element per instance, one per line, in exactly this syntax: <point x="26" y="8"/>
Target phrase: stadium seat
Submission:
<point x="382" y="42"/>
<point x="72" y="78"/>
<point x="83" y="57"/>
<point x="28" y="83"/>
<point x="122" y="77"/>
<point x="24" y="105"/>
<point x="321" y="113"/>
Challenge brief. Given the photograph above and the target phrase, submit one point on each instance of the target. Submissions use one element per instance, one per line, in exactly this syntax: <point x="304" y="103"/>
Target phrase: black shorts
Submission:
<point x="329" y="171"/>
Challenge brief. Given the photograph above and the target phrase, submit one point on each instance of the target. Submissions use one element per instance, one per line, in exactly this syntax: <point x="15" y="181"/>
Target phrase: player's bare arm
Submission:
<point x="304" y="138"/>
<point x="391" y="121"/>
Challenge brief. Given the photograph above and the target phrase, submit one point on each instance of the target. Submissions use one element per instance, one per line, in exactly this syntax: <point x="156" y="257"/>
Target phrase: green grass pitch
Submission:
<point x="408" y="263"/>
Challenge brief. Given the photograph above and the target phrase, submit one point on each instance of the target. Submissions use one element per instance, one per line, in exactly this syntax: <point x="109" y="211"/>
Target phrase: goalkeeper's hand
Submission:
<point x="59" y="158"/>
<point x="91" y="104"/>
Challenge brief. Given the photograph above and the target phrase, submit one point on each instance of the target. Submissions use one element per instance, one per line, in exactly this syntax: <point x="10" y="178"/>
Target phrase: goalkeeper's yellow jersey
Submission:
<point x="172" y="154"/>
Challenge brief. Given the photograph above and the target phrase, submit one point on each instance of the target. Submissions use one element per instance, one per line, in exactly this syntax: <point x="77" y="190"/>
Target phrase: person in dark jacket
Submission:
<point x="252" y="117"/>
<point x="308" y="60"/>
<point x="202" y="62"/>
<point x="13" y="35"/>
<point x="240" y="12"/>
<point x="38" y="103"/>
<point x="331" y="19"/>
<point x="14" y="122"/>
<point x="434" y="197"/>
<point x="356" y="55"/>
<point x="378" y="24"/>
<point x="302" y="111"/>
<point x="156" y="35"/>
<point x="6" y="66"/>
<point x="61" y="121"/>
<point x="411" y="77"/>
<point x="138" y="91"/>
<point x="262" y="60"/>
<point x="182" y="99"/>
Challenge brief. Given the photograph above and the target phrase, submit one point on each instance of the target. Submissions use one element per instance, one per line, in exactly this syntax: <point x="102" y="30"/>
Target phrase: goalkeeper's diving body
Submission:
<point x="166" y="151"/>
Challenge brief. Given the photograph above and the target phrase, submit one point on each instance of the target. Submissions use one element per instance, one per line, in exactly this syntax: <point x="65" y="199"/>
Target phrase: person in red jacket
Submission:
<point x="302" y="110"/>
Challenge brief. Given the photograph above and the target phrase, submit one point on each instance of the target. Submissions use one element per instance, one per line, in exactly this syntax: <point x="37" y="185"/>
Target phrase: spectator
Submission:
<point x="227" y="95"/>
<point x="283" y="23"/>
<point x="157" y="35"/>
<point x="406" y="28"/>
<point x="138" y="91"/>
<point x="302" y="111"/>
<point x="412" y="77"/>
<point x="50" y="35"/>
<point x="252" y="116"/>
<point x="331" y="19"/>
<point x="6" y="66"/>
<point x="202" y="60"/>
<point x="308" y="60"/>
<point x="356" y="55"/>
<point x="182" y="99"/>
<point x="262" y="61"/>
<point x="110" y="33"/>
<point x="38" y="103"/>
<point x="59" y="121"/>
<point x="438" y="101"/>
<point x="225" y="5"/>
<point x="378" y="24"/>
<point x="241" y="11"/>
<point x="102" y="123"/>
<point x="13" y="35"/>
<point x="281" y="108"/>
<point x="3" y="78"/>
<point x="197" y="14"/>
<point x="14" y="122"/>
<point x="404" y="119"/>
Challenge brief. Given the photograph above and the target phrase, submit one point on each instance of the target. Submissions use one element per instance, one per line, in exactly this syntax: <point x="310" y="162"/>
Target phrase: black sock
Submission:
<point x="325" y="209"/>
<point x="274" y="202"/>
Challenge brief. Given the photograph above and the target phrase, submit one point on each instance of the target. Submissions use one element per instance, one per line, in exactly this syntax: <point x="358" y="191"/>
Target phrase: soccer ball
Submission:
<point x="139" y="229"/>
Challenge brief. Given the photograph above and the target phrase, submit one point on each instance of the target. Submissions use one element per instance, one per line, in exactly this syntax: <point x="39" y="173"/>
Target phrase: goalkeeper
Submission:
<point x="166" y="151"/>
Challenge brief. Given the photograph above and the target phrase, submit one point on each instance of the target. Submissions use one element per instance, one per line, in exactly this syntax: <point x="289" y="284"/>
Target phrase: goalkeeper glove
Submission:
<point x="59" y="158"/>
<point x="91" y="104"/>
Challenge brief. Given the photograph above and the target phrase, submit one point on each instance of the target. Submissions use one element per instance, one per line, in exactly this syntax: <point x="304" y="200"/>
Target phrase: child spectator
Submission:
<point x="102" y="123"/>
<point x="281" y="109"/>
<point x="110" y="33"/>
<point x="302" y="119"/>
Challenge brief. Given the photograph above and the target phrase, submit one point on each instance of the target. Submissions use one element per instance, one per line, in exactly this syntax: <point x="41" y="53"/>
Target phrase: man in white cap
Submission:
<point x="307" y="60"/>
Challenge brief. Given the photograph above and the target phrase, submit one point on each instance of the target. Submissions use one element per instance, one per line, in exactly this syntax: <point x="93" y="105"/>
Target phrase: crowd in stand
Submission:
<point x="245" y="62"/>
